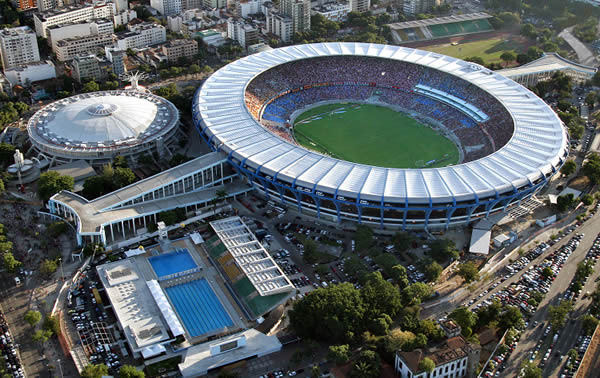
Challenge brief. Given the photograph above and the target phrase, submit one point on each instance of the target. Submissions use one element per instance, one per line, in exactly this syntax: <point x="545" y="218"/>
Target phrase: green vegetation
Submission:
<point x="48" y="267"/>
<point x="110" y="180"/>
<point x="591" y="168"/>
<point x="94" y="371"/>
<point x="588" y="30"/>
<point x="589" y="324"/>
<point x="128" y="371"/>
<point x="490" y="50"/>
<point x="558" y="314"/>
<point x="468" y="271"/>
<point x="163" y="366"/>
<point x="52" y="182"/>
<point x="374" y="135"/>
<point x="32" y="317"/>
<point x="569" y="168"/>
<point x="443" y="249"/>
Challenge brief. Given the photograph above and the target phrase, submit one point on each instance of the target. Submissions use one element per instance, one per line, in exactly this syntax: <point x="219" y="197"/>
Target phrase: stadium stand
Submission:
<point x="275" y="94"/>
<point x="442" y="27"/>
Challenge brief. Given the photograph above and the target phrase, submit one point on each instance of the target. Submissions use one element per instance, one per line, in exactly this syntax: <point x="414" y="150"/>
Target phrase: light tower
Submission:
<point x="19" y="163"/>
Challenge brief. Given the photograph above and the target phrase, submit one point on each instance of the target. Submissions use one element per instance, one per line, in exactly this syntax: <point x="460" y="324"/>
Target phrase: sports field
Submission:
<point x="488" y="49"/>
<point x="374" y="135"/>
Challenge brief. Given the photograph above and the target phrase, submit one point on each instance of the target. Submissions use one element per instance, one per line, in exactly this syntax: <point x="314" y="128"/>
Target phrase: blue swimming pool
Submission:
<point x="198" y="307"/>
<point x="170" y="263"/>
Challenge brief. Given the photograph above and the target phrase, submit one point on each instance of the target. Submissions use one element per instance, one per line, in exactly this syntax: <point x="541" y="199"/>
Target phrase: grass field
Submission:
<point x="373" y="135"/>
<point x="488" y="49"/>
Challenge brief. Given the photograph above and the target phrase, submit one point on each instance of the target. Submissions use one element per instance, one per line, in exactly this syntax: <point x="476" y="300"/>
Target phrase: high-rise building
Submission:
<point x="360" y="6"/>
<point x="69" y="48"/>
<point x="299" y="12"/>
<point x="117" y="57"/>
<point x="24" y="4"/>
<point x="18" y="46"/>
<point x="211" y="4"/>
<point x="86" y="67"/>
<point x="167" y="7"/>
<point x="280" y="25"/>
<point x="243" y="8"/>
<point x="59" y="32"/>
<point x="413" y="7"/>
<point x="245" y="34"/>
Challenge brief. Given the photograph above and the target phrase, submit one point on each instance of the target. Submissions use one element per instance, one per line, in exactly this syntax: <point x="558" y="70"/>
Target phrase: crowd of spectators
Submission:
<point x="283" y="89"/>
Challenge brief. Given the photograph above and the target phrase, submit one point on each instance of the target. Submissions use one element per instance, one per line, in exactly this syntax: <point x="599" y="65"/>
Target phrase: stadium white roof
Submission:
<point x="439" y="20"/>
<point x="102" y="120"/>
<point x="549" y="62"/>
<point x="538" y="143"/>
<point x="251" y="256"/>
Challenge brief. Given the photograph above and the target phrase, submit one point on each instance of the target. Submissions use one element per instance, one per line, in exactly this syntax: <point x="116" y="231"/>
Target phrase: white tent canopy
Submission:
<point x="165" y="308"/>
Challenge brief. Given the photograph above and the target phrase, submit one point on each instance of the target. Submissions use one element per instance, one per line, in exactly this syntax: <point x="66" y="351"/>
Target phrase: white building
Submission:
<point x="412" y="7"/>
<point x="124" y="17"/>
<point x="211" y="38"/>
<point x="241" y="32"/>
<point x="299" y="12"/>
<point x="68" y="48"/>
<point x="57" y="33"/>
<point x="258" y="47"/>
<point x="30" y="73"/>
<point x="214" y="4"/>
<point x="174" y="23"/>
<point x="142" y="35"/>
<point x="333" y="11"/>
<point x="121" y="5"/>
<point x="244" y="8"/>
<point x="117" y="57"/>
<point x="71" y="14"/>
<point x="454" y="357"/>
<point x="86" y="67"/>
<point x="18" y="46"/>
<point x="361" y="6"/>
<point x="280" y="25"/>
<point x="167" y="7"/>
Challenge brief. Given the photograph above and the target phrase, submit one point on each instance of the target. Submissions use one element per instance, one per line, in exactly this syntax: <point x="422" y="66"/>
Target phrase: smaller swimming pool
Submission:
<point x="170" y="263"/>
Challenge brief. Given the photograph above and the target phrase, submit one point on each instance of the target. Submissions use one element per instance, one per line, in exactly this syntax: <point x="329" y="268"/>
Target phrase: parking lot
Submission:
<point x="10" y="363"/>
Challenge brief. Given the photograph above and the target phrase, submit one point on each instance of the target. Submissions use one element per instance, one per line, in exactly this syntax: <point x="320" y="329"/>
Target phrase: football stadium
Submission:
<point x="509" y="142"/>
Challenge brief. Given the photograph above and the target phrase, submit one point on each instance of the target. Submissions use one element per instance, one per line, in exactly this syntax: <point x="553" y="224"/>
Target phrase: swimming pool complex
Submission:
<point x="168" y="264"/>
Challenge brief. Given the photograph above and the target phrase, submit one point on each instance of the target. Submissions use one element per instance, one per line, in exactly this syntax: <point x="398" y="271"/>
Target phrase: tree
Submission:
<point x="569" y="168"/>
<point x="52" y="182"/>
<point x="534" y="52"/>
<point x="41" y="336"/>
<point x="363" y="237"/>
<point x="588" y="324"/>
<point x="508" y="57"/>
<point x="32" y="317"/>
<point x="529" y="31"/>
<point x="340" y="354"/>
<point x="443" y="249"/>
<point x="465" y="318"/>
<point x="315" y="371"/>
<point x="402" y="241"/>
<point x="529" y="370"/>
<point x="415" y="293"/>
<point x="587" y="199"/>
<point x="564" y="202"/>
<point x="52" y="324"/>
<point x="90" y="86"/>
<point x="468" y="271"/>
<point x="94" y="371"/>
<point x="332" y="314"/>
<point x="511" y="317"/>
<point x="6" y="153"/>
<point x="590" y="99"/>
<point x="367" y="365"/>
<point x="558" y="314"/>
<point x="194" y="69"/>
<point x="120" y="162"/>
<point x="426" y="364"/>
<point x="476" y="59"/>
<point x="547" y="272"/>
<point x="123" y="177"/>
<point x="48" y="267"/>
<point x="591" y="168"/>
<point x="380" y="296"/>
<point x="128" y="371"/>
<point x="8" y="260"/>
<point x="432" y="271"/>
<point x="399" y="276"/>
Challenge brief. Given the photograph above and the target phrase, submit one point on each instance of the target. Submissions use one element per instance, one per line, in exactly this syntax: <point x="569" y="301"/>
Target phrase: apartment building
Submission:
<point x="86" y="67"/>
<point x="59" y="32"/>
<point x="167" y="7"/>
<point x="333" y="11"/>
<point x="30" y="73"/>
<point x="180" y="48"/>
<point x="142" y="35"/>
<point x="280" y="25"/>
<point x="241" y="32"/>
<point x="18" y="46"/>
<point x="68" y="48"/>
<point x="71" y="14"/>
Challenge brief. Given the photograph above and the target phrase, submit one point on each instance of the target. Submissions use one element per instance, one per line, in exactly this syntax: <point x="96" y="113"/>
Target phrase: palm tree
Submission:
<point x="362" y="369"/>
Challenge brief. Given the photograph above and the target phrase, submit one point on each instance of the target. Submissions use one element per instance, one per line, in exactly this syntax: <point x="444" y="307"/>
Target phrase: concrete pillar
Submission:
<point x="112" y="234"/>
<point x="123" y="229"/>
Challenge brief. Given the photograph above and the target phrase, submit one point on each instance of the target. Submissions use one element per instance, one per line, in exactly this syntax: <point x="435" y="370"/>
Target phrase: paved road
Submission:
<point x="531" y="335"/>
<point x="584" y="54"/>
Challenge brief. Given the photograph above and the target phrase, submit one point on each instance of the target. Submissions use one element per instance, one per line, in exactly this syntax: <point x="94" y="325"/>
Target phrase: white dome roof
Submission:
<point x="103" y="118"/>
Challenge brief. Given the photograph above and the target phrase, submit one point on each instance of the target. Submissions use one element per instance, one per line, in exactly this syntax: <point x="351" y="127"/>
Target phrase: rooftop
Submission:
<point x="251" y="256"/>
<point x="13" y="32"/>
<point x="449" y="350"/>
<point x="439" y="20"/>
<point x="133" y="304"/>
<point x="548" y="62"/>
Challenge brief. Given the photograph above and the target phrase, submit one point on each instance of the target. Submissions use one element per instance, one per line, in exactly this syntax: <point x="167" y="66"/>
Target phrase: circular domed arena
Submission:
<point x="98" y="126"/>
<point x="508" y="142"/>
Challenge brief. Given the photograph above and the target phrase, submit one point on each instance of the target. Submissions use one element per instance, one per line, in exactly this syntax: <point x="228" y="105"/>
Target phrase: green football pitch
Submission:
<point x="374" y="135"/>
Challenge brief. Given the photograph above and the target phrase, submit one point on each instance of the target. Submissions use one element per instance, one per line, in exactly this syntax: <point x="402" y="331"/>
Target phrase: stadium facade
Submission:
<point x="525" y="143"/>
